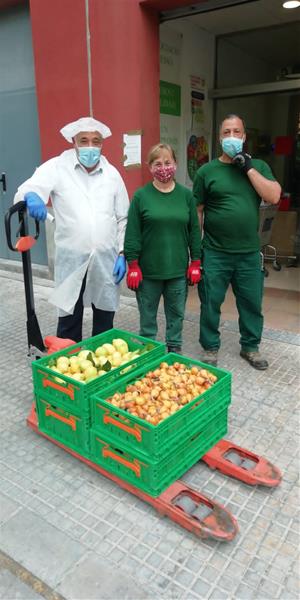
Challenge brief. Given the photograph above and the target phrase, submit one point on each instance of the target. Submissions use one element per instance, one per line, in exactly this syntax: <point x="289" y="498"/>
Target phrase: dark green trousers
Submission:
<point x="174" y="293"/>
<point x="244" y="273"/>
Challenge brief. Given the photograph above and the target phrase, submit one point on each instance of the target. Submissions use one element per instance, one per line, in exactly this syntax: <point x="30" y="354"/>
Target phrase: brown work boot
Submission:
<point x="255" y="359"/>
<point x="210" y="357"/>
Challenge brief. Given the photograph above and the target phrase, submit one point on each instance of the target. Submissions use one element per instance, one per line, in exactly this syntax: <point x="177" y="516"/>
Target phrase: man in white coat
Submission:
<point x="90" y="205"/>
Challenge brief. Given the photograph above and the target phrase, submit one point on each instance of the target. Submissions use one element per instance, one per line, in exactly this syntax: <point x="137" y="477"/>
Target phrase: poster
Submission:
<point x="132" y="149"/>
<point x="197" y="153"/>
<point x="197" y="137"/>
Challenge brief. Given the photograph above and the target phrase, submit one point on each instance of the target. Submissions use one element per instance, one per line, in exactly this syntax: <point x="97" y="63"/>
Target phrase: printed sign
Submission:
<point x="170" y="98"/>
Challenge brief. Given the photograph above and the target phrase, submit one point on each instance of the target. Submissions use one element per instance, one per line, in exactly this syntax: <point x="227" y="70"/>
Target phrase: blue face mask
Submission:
<point x="88" y="155"/>
<point x="232" y="146"/>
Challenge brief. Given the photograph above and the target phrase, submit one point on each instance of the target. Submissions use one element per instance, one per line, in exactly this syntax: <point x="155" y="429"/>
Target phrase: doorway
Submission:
<point x="19" y="139"/>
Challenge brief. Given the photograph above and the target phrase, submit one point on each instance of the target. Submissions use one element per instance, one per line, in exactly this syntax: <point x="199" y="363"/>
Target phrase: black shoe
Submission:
<point x="176" y="349"/>
<point x="255" y="359"/>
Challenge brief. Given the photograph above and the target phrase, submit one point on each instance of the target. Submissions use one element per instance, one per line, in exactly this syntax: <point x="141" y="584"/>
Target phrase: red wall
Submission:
<point x="60" y="57"/>
<point x="125" y="73"/>
<point x="124" y="42"/>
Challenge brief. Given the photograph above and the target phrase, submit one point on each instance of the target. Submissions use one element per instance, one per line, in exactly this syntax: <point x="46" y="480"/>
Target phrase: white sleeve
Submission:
<point x="121" y="208"/>
<point x="42" y="182"/>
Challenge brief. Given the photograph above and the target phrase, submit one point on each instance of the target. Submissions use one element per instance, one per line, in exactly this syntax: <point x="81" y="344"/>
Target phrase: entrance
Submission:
<point x="19" y="139"/>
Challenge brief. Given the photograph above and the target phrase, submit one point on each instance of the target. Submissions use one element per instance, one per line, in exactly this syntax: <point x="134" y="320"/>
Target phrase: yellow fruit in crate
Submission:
<point x="100" y="351"/>
<point x="120" y="345"/>
<point x="62" y="366"/>
<point x="116" y="359"/>
<point x="74" y="367"/>
<point x="57" y="370"/>
<point x="77" y="376"/>
<point x="73" y="360"/>
<point x="102" y="360"/>
<point x="62" y="360"/>
<point x="100" y="373"/>
<point x="90" y="372"/>
<point x="83" y="353"/>
<point x="85" y="364"/>
<point x="109" y="348"/>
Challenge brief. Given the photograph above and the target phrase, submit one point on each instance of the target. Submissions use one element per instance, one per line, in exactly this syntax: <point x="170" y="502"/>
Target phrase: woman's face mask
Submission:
<point x="89" y="156"/>
<point x="163" y="173"/>
<point x="232" y="146"/>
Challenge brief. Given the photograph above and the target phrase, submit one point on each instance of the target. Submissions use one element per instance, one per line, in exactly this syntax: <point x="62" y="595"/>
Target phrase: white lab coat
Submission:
<point x="90" y="212"/>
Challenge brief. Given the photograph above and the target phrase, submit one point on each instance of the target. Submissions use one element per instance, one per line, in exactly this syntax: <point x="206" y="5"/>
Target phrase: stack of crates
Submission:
<point x="151" y="457"/>
<point x="63" y="404"/>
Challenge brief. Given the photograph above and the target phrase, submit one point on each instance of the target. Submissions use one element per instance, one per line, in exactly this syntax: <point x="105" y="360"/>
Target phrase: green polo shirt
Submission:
<point x="162" y="231"/>
<point x="231" y="205"/>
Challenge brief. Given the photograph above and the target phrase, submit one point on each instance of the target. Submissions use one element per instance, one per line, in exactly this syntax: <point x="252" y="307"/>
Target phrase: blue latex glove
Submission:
<point x="119" y="268"/>
<point x="36" y="206"/>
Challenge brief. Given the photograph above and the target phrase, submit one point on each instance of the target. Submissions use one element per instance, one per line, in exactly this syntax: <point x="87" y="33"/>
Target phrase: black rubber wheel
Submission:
<point x="276" y="266"/>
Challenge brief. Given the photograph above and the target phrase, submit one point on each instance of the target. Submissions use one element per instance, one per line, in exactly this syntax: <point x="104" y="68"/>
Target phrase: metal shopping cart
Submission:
<point x="267" y="213"/>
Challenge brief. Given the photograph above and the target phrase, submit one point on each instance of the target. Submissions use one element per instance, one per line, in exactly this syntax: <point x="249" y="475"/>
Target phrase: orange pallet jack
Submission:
<point x="184" y="505"/>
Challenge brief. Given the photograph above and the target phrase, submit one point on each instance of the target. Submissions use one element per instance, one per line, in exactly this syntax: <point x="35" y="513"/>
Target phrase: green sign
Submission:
<point x="170" y="98"/>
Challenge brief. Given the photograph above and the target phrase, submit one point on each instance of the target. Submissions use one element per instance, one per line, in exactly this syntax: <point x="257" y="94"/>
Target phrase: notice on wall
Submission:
<point x="132" y="149"/>
<point x="197" y="136"/>
<point x="198" y="95"/>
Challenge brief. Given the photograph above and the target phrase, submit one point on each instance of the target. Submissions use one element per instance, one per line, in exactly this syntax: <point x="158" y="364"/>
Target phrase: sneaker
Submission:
<point x="255" y="359"/>
<point x="210" y="357"/>
<point x="176" y="349"/>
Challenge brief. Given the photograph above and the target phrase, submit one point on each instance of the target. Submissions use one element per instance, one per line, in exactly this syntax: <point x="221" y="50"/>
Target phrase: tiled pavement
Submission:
<point x="87" y="539"/>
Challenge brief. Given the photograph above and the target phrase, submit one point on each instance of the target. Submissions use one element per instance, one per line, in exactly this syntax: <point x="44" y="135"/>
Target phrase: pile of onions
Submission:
<point x="163" y="392"/>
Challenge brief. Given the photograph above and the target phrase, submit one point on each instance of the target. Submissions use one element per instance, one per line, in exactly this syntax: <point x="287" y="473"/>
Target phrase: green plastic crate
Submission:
<point x="65" y="427"/>
<point x="155" y="440"/>
<point x="74" y="395"/>
<point x="151" y="476"/>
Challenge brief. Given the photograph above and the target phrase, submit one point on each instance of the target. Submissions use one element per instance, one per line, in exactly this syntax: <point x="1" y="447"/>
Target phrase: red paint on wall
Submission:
<point x="125" y="78"/>
<point x="60" y="56"/>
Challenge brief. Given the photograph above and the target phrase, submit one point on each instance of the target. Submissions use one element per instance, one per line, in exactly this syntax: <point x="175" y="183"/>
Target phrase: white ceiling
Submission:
<point x="263" y="27"/>
<point x="250" y="15"/>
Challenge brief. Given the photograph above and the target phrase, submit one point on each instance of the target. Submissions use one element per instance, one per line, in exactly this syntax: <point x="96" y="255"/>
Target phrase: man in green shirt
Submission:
<point x="228" y="191"/>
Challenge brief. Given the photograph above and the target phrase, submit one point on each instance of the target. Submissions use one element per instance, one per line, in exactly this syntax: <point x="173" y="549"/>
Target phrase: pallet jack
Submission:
<point x="184" y="505"/>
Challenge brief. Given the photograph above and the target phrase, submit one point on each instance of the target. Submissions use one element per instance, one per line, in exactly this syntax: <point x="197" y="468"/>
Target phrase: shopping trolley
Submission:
<point x="267" y="213"/>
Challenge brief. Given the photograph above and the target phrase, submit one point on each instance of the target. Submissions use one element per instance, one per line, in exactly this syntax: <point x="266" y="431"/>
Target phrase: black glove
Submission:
<point x="243" y="161"/>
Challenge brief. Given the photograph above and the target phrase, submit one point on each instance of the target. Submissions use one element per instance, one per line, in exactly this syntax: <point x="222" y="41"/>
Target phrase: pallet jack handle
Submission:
<point x="23" y="244"/>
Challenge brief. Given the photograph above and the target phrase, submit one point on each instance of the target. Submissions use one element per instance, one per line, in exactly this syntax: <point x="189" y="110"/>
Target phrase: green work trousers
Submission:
<point x="244" y="273"/>
<point x="174" y="293"/>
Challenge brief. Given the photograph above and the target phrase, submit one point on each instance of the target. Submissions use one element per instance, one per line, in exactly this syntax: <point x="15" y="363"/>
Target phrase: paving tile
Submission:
<point x="93" y="578"/>
<point x="39" y="547"/>
<point x="8" y="508"/>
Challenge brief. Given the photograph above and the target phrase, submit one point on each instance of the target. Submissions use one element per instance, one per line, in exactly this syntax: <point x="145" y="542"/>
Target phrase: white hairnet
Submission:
<point x="84" y="124"/>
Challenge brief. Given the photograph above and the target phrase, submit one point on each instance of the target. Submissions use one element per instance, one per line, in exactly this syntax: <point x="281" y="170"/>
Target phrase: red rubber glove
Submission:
<point x="194" y="272"/>
<point x="134" y="275"/>
<point x="53" y="343"/>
